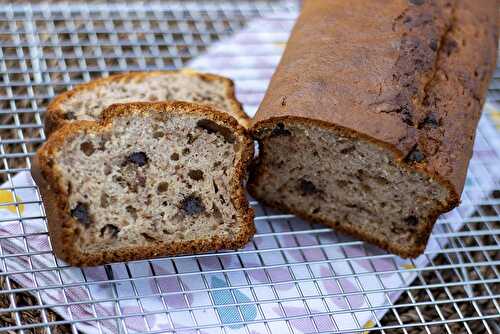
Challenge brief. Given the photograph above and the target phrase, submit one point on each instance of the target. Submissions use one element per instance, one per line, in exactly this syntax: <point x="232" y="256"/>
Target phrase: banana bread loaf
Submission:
<point x="369" y="121"/>
<point x="87" y="101"/>
<point x="149" y="179"/>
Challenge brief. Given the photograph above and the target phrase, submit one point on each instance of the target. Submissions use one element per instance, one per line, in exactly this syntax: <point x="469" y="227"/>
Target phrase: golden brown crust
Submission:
<point x="407" y="76"/>
<point x="55" y="118"/>
<point x="62" y="225"/>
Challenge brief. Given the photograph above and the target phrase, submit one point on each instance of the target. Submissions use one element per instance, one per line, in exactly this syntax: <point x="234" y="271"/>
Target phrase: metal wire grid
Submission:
<point x="46" y="49"/>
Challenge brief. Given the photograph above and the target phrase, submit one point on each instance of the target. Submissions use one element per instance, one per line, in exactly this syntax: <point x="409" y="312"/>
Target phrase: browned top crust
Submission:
<point x="410" y="75"/>
<point x="54" y="193"/>
<point x="56" y="118"/>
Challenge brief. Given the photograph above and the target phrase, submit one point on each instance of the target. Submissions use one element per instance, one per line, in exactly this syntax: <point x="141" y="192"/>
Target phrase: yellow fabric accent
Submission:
<point x="408" y="266"/>
<point x="369" y="324"/>
<point x="6" y="196"/>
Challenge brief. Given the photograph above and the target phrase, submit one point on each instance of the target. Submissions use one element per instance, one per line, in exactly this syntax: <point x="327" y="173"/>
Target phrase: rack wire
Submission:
<point x="48" y="48"/>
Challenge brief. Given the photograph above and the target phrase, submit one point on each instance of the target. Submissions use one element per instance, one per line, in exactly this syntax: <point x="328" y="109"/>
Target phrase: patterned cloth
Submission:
<point x="190" y="291"/>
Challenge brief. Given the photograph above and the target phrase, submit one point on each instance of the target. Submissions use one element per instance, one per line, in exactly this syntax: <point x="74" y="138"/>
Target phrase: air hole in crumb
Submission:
<point x="87" y="148"/>
<point x="347" y="150"/>
<point x="185" y="151"/>
<point x="316" y="210"/>
<point x="212" y="127"/>
<point x="191" y="138"/>
<point x="132" y="211"/>
<point x="217" y="164"/>
<point x="148" y="237"/>
<point x="70" y="115"/>
<point x="192" y="205"/>
<point x="174" y="156"/>
<point x="81" y="213"/>
<point x="380" y="180"/>
<point x="104" y="200"/>
<point x="341" y="183"/>
<point x="107" y="169"/>
<point x="109" y="230"/>
<point x="222" y="200"/>
<point x="157" y="134"/>
<point x="196" y="174"/>
<point x="216" y="212"/>
<point x="365" y="187"/>
<point x="162" y="187"/>
<point x="216" y="188"/>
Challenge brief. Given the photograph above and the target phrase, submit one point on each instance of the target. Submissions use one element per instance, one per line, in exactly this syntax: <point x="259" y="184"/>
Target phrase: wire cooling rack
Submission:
<point x="286" y="280"/>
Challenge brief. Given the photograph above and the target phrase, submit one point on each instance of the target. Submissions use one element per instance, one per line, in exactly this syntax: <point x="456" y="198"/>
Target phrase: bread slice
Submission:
<point x="87" y="101"/>
<point x="369" y="121"/>
<point x="149" y="179"/>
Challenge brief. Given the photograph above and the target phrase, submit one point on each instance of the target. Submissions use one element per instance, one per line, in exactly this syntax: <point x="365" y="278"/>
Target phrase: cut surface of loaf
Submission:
<point x="347" y="182"/>
<point x="150" y="179"/>
<point x="369" y="121"/>
<point x="87" y="101"/>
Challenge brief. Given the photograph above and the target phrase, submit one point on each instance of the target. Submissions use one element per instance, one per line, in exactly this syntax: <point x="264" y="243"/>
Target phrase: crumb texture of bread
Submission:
<point x="87" y="101"/>
<point x="346" y="182"/>
<point x="149" y="179"/>
<point x="405" y="80"/>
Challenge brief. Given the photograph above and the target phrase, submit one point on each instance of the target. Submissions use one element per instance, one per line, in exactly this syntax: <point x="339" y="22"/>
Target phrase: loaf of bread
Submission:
<point x="87" y="101"/>
<point x="369" y="121"/>
<point x="149" y="179"/>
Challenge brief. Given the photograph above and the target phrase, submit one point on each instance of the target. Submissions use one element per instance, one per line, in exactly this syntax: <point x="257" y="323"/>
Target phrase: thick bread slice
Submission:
<point x="88" y="100"/>
<point x="149" y="179"/>
<point x="369" y="121"/>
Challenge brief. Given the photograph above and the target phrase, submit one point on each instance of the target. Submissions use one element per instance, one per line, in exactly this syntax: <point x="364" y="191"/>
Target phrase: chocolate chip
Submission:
<point x="162" y="187"/>
<point x="212" y="127"/>
<point x="81" y="213"/>
<point x="138" y="158"/>
<point x="192" y="205"/>
<point x="87" y="148"/>
<point x="70" y="115"/>
<point x="430" y="120"/>
<point x="109" y="230"/>
<point x="415" y="155"/>
<point x="279" y="130"/>
<point x="196" y="174"/>
<point x="174" y="156"/>
<point x="411" y="220"/>
<point x="417" y="2"/>
<point x="348" y="149"/>
<point x="307" y="187"/>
